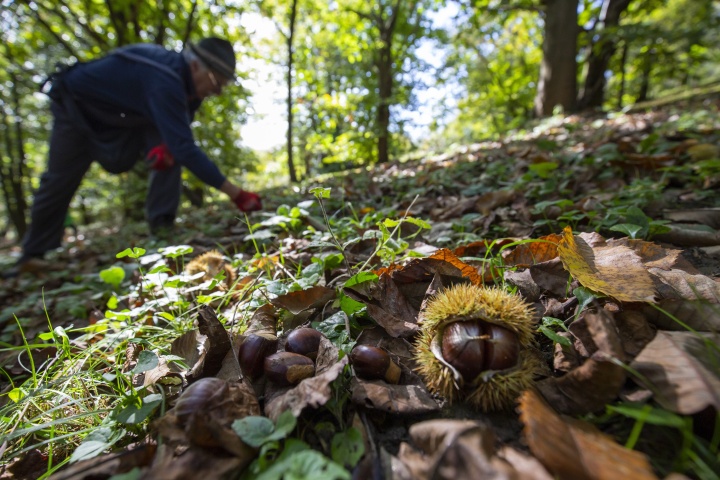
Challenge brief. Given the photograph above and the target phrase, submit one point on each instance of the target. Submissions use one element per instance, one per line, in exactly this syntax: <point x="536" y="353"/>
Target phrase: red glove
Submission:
<point x="248" y="201"/>
<point x="160" y="158"/>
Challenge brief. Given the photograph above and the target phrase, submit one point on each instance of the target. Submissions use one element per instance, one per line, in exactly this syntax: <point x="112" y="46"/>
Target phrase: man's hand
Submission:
<point x="159" y="158"/>
<point x="248" y="201"/>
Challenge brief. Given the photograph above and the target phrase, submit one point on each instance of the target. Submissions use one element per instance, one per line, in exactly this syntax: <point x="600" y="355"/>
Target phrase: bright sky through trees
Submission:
<point x="267" y="125"/>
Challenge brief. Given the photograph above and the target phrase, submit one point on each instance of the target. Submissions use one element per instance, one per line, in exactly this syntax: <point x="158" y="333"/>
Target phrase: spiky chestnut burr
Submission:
<point x="474" y="346"/>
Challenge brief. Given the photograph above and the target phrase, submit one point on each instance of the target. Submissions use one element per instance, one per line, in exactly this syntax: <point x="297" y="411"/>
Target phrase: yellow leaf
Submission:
<point x="614" y="271"/>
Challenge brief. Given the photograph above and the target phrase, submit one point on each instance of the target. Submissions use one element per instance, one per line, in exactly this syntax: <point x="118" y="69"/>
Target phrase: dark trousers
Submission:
<point x="71" y="154"/>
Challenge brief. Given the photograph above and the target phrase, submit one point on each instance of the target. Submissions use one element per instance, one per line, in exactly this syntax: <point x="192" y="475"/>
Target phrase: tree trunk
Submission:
<point x="593" y="94"/>
<point x="623" y="62"/>
<point x="291" y="35"/>
<point x="385" y="85"/>
<point x="645" y="78"/>
<point x="558" y="73"/>
<point x="12" y="171"/>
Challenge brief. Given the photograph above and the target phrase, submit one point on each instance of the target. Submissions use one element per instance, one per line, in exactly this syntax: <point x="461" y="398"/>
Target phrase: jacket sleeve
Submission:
<point x="168" y="108"/>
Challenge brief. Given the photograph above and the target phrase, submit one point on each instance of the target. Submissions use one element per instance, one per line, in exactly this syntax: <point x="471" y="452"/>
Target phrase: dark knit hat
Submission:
<point x="217" y="54"/>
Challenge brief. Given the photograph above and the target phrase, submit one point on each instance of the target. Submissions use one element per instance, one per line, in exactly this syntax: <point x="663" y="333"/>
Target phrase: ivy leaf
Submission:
<point x="347" y="447"/>
<point x="254" y="430"/>
<point x="147" y="360"/>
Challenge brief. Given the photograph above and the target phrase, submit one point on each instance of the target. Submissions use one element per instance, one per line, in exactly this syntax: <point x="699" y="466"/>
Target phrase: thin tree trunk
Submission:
<point x="623" y="61"/>
<point x="558" y="72"/>
<point x="593" y="94"/>
<point x="290" y="37"/>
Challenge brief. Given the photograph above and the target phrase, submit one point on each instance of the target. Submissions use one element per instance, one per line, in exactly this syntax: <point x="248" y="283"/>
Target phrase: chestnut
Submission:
<point x="252" y="353"/>
<point x="373" y="363"/>
<point x="287" y="368"/>
<point x="474" y="346"/>
<point x="197" y="396"/>
<point x="305" y="341"/>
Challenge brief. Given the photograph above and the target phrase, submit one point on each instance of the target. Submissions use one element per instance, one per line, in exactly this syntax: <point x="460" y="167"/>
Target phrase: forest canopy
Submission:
<point x="357" y="77"/>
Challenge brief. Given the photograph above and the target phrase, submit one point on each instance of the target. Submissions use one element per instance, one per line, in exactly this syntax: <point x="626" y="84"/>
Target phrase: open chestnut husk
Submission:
<point x="476" y="344"/>
<point x="253" y="351"/>
<point x="373" y="363"/>
<point x="287" y="368"/>
<point x="305" y="341"/>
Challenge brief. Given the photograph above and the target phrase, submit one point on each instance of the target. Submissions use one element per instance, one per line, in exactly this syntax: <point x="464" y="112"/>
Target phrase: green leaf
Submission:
<point x="147" y="360"/>
<point x="305" y="465"/>
<point x="320" y="192"/>
<point x="112" y="302"/>
<point x="649" y="414"/>
<point x="285" y="424"/>
<point x="113" y="276"/>
<point x="585" y="297"/>
<point x="95" y="443"/>
<point x="347" y="447"/>
<point x="135" y="252"/>
<point x="628" y="229"/>
<point x="254" y="430"/>
<point x="16" y="394"/>
<point x="552" y="335"/>
<point x="361" y="277"/>
<point x="134" y="414"/>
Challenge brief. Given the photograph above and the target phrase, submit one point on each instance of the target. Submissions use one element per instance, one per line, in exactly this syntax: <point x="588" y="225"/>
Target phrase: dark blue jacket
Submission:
<point x="122" y="91"/>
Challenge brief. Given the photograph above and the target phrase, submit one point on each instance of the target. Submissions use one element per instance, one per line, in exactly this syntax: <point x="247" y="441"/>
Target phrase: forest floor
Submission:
<point x="605" y="225"/>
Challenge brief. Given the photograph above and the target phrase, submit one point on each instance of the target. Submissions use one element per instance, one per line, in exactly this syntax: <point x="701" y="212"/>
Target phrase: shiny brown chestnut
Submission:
<point x="198" y="396"/>
<point x="373" y="363"/>
<point x="253" y="351"/>
<point x="474" y="346"/>
<point x="305" y="341"/>
<point x="287" y="368"/>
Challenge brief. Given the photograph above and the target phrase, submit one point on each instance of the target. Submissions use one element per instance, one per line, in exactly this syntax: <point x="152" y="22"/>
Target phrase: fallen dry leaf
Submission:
<point x="681" y="369"/>
<point x="538" y="279"/>
<point x="589" y="387"/>
<point x="453" y="449"/>
<point x="311" y="392"/>
<point x="534" y="252"/>
<point x="572" y="449"/>
<point x="684" y="315"/>
<point x="313" y="297"/>
<point x="395" y="300"/>
<point x="614" y="271"/>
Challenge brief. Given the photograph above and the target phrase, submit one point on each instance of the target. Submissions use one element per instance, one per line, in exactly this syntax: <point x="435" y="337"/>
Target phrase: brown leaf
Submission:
<point x="216" y="347"/>
<point x="408" y="399"/>
<point x="264" y="320"/>
<point x="453" y="449"/>
<point x="532" y="253"/>
<point x="193" y="463"/>
<point x="480" y="248"/>
<point x="615" y="271"/>
<point x="544" y="277"/>
<point x="103" y="466"/>
<point x="598" y="380"/>
<point x="527" y="467"/>
<point x="684" y="315"/>
<point x="394" y="301"/>
<point x="681" y="368"/>
<point x="686" y="286"/>
<point x="312" y="392"/>
<point x="296" y="302"/>
<point x="634" y="330"/>
<point x="572" y="449"/>
<point x="490" y="201"/>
